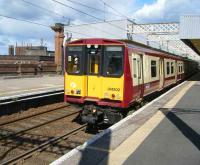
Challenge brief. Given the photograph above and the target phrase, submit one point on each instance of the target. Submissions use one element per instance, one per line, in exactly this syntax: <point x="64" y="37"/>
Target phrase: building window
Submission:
<point x="168" y="68"/>
<point x="172" y="67"/>
<point x="153" y="68"/>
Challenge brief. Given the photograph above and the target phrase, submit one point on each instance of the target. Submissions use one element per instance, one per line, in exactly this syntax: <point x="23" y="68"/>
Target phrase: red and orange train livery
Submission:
<point x="108" y="76"/>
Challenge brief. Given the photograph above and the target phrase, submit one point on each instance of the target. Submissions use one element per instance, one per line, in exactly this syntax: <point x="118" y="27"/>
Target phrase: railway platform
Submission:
<point x="165" y="131"/>
<point x="26" y="87"/>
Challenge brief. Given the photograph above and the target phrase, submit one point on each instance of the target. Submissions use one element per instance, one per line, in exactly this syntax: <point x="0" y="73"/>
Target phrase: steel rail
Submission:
<point x="30" y="116"/>
<point x="36" y="126"/>
<point x="41" y="147"/>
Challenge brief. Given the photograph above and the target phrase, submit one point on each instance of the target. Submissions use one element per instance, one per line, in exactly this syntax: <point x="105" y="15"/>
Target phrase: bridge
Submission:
<point x="180" y="38"/>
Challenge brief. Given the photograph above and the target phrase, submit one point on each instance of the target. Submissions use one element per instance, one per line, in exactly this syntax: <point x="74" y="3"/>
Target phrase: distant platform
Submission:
<point x="11" y="88"/>
<point x="165" y="131"/>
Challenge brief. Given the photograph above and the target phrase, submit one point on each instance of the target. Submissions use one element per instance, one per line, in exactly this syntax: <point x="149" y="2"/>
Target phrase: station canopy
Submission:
<point x="189" y="31"/>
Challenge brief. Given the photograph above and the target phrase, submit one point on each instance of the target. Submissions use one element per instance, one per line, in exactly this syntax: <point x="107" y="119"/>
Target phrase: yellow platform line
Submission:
<point x="121" y="154"/>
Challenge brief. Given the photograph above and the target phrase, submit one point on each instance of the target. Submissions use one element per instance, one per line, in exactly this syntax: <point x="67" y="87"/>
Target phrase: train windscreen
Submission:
<point x="94" y="56"/>
<point x="73" y="59"/>
<point x="113" y="60"/>
<point x="95" y="60"/>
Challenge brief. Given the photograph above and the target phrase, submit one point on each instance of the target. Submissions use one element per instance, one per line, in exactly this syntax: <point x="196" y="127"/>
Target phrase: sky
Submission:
<point x="48" y="12"/>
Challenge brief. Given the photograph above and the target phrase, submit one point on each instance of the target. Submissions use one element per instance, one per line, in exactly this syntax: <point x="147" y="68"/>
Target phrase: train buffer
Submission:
<point x="165" y="131"/>
<point x="13" y="89"/>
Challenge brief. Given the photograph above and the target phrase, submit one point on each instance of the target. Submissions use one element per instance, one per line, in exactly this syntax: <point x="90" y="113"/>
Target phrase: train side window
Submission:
<point x="179" y="68"/>
<point x="153" y="68"/>
<point x="172" y="67"/>
<point x="183" y="67"/>
<point x="168" y="68"/>
<point x="134" y="67"/>
<point x="139" y="69"/>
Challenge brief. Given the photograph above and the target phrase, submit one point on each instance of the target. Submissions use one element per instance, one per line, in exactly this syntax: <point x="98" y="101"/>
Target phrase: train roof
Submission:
<point x="101" y="41"/>
<point x="139" y="47"/>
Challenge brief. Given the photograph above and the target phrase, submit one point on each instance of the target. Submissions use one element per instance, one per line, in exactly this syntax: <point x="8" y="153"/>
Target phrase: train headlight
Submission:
<point x="72" y="92"/>
<point x="106" y="95"/>
<point x="94" y="110"/>
<point x="96" y="46"/>
<point x="113" y="96"/>
<point x="88" y="46"/>
<point x="117" y="96"/>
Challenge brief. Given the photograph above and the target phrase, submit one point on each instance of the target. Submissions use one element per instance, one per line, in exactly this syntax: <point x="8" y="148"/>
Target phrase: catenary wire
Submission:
<point x="96" y="9"/>
<point x="45" y="9"/>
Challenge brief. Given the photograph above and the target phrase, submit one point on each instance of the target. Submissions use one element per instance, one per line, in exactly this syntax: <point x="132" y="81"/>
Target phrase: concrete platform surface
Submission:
<point x="171" y="136"/>
<point x="12" y="87"/>
<point x="165" y="131"/>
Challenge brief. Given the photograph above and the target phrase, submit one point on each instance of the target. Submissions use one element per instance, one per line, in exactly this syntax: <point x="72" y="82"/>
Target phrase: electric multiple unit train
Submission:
<point x="108" y="76"/>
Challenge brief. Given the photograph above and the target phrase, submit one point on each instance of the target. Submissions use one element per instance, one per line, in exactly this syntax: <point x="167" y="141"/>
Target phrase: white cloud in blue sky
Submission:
<point x="12" y="31"/>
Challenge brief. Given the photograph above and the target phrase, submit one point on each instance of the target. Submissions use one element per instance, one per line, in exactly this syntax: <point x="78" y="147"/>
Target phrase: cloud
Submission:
<point x="155" y="10"/>
<point x="166" y="10"/>
<point x="17" y="31"/>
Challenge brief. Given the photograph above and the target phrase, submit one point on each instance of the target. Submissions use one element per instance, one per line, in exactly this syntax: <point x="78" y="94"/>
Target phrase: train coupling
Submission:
<point x="91" y="115"/>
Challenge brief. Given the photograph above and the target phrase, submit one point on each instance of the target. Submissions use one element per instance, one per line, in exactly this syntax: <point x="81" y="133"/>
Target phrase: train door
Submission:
<point x="138" y="79"/>
<point x="94" y="84"/>
<point x="161" y="70"/>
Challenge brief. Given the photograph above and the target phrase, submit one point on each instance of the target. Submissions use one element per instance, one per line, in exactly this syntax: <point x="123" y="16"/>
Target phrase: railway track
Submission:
<point x="25" y="136"/>
<point x="42" y="146"/>
<point x="33" y="115"/>
<point x="27" y="140"/>
<point x="37" y="126"/>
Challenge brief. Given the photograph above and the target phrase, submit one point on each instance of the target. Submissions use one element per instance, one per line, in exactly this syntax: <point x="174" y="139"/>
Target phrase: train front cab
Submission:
<point x="95" y="77"/>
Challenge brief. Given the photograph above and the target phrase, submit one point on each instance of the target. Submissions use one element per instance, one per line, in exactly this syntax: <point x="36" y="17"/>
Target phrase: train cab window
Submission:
<point x="168" y="68"/>
<point x="153" y="68"/>
<point x="94" y="63"/>
<point x="73" y="60"/>
<point x="94" y="55"/>
<point x="172" y="67"/>
<point x="113" y="60"/>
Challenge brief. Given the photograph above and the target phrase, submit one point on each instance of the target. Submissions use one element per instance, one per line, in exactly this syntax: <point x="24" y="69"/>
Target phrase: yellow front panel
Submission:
<point x="75" y="85"/>
<point x="113" y="86"/>
<point x="106" y="87"/>
<point x="94" y="86"/>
